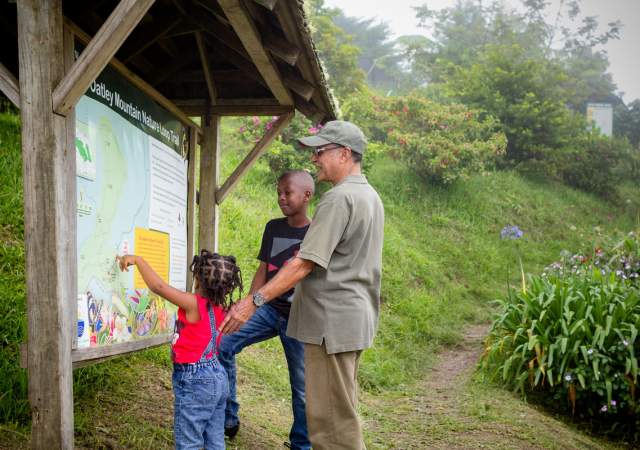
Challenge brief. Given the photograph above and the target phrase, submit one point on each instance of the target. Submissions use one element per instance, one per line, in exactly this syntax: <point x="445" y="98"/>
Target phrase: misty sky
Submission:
<point x="624" y="54"/>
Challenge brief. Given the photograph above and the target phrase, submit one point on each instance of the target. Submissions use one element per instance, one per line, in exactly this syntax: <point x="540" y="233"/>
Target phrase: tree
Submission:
<point x="517" y="67"/>
<point x="522" y="91"/>
<point x="337" y="51"/>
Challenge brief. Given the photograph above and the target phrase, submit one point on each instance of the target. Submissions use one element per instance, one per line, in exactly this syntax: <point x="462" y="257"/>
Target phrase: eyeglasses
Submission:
<point x="317" y="150"/>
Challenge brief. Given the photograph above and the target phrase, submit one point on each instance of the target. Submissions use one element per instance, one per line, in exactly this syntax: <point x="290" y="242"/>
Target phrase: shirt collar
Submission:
<point x="356" y="179"/>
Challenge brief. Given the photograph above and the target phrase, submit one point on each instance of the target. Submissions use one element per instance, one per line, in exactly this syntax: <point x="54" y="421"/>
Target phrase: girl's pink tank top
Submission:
<point x="191" y="339"/>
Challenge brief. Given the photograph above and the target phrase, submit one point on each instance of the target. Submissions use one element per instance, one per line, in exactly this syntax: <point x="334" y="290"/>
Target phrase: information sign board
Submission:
<point x="132" y="199"/>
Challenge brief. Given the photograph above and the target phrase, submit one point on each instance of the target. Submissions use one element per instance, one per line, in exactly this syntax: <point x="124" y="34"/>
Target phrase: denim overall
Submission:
<point x="200" y="391"/>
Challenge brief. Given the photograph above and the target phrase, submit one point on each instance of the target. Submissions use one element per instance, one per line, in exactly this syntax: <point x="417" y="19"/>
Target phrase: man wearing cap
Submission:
<point x="337" y="272"/>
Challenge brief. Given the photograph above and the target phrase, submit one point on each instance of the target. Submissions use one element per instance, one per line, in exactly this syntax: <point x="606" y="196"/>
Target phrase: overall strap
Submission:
<point x="210" y="350"/>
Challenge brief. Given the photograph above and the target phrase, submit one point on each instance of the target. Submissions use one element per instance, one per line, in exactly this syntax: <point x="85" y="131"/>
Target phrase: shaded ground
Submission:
<point x="449" y="409"/>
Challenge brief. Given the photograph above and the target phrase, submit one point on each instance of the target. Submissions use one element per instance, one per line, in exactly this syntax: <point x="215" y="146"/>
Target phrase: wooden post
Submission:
<point x="209" y="176"/>
<point x="48" y="156"/>
<point x="191" y="201"/>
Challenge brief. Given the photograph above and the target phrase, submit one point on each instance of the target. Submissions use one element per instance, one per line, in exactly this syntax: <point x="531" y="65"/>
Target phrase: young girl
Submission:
<point x="200" y="383"/>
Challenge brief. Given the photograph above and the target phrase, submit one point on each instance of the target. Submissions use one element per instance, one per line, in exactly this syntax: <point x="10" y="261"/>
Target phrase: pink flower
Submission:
<point x="242" y="129"/>
<point x="313" y="130"/>
<point x="256" y="121"/>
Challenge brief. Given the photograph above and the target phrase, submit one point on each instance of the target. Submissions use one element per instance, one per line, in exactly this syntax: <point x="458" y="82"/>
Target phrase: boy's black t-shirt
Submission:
<point x="280" y="243"/>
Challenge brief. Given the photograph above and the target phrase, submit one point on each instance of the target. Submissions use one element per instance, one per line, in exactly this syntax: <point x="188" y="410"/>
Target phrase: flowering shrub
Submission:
<point x="572" y="335"/>
<point x="443" y="143"/>
<point x="622" y="260"/>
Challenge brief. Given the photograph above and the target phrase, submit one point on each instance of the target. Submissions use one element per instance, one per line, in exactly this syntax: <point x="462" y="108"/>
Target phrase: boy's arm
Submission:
<point x="284" y="280"/>
<point x="260" y="278"/>
<point x="184" y="300"/>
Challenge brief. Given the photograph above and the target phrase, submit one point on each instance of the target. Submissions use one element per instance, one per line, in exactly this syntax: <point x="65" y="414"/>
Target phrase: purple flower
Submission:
<point x="256" y="121"/>
<point x="613" y="403"/>
<point x="511" y="232"/>
<point x="604" y="408"/>
<point x="242" y="129"/>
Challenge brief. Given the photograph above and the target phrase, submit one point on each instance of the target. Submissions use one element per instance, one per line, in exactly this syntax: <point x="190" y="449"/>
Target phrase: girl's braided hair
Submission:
<point x="218" y="276"/>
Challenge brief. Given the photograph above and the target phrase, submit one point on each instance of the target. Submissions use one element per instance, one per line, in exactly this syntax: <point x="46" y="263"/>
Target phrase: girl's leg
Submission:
<point x="214" y="431"/>
<point x="187" y="429"/>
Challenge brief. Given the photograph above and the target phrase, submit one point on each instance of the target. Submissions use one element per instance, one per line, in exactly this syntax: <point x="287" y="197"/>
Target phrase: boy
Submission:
<point x="280" y="243"/>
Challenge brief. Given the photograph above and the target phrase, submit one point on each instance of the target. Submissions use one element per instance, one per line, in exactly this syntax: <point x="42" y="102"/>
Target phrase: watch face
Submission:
<point x="258" y="299"/>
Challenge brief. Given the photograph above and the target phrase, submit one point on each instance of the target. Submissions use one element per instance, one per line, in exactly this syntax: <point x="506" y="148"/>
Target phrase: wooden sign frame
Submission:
<point x="50" y="84"/>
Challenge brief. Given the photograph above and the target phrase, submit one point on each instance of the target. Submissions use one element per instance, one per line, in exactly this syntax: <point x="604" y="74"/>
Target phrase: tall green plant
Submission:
<point x="572" y="335"/>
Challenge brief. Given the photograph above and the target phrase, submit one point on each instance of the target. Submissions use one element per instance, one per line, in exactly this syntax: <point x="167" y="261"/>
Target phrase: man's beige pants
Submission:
<point x="331" y="390"/>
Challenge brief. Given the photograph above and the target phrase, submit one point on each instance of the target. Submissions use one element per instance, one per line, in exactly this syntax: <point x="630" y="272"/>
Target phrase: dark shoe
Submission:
<point x="231" y="432"/>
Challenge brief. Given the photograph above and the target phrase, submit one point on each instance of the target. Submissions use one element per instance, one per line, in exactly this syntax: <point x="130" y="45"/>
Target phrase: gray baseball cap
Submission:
<point x="338" y="132"/>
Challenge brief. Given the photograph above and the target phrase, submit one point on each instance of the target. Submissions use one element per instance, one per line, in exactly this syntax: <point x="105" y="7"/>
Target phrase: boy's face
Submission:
<point x="292" y="198"/>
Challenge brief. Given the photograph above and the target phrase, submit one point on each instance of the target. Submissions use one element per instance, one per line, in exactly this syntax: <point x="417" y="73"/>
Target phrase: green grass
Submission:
<point x="13" y="380"/>
<point x="444" y="263"/>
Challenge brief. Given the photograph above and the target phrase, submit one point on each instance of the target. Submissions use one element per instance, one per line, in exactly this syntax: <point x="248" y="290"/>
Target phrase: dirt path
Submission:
<point x="450" y="409"/>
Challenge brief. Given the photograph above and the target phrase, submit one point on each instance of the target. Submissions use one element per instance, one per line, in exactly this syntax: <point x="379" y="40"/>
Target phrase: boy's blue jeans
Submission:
<point x="265" y="324"/>
<point x="200" y="391"/>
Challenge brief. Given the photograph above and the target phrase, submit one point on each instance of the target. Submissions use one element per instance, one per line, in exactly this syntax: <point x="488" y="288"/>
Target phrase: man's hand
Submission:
<point x="238" y="315"/>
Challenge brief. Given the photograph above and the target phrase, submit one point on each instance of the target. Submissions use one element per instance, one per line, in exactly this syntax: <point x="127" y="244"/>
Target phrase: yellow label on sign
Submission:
<point x="153" y="246"/>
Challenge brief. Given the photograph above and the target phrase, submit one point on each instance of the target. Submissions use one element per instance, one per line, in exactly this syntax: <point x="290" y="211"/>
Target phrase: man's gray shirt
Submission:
<point x="338" y="302"/>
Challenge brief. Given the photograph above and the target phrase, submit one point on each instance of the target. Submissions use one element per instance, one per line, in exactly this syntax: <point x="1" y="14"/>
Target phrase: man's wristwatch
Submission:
<point x="258" y="299"/>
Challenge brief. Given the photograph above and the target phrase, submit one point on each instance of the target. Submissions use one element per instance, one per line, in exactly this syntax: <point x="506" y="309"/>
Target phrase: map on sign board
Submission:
<point x="131" y="199"/>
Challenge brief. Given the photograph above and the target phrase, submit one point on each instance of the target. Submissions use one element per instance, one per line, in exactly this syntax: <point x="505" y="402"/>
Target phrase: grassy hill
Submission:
<point x="444" y="262"/>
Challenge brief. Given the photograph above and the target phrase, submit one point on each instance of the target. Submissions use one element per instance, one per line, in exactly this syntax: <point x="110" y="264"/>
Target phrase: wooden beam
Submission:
<point x="311" y="111"/>
<point x="197" y="76"/>
<point x="234" y="107"/>
<point x="251" y="110"/>
<point x="250" y="37"/>
<point x="309" y="67"/>
<point x="49" y="170"/>
<point x="91" y="355"/>
<point x="183" y="29"/>
<point x="245" y="65"/>
<point x="9" y="85"/>
<point x="298" y="84"/>
<point x="206" y="68"/>
<point x="137" y="81"/>
<point x="191" y="201"/>
<point x="279" y="46"/>
<point x="144" y="37"/>
<point x="260" y="147"/>
<point x="183" y="102"/>
<point x="173" y="67"/>
<point x="209" y="175"/>
<point x="216" y="29"/>
<point x="269" y="4"/>
<point x="98" y="52"/>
